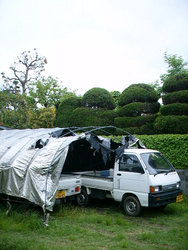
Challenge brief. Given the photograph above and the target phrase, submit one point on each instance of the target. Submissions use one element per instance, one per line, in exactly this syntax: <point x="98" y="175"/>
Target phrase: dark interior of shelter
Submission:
<point x="83" y="157"/>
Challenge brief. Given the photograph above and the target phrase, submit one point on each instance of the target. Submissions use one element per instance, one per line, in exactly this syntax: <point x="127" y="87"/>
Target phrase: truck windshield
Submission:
<point x="156" y="163"/>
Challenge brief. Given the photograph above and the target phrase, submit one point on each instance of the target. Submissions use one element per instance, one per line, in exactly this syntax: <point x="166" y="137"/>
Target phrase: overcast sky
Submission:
<point x="95" y="43"/>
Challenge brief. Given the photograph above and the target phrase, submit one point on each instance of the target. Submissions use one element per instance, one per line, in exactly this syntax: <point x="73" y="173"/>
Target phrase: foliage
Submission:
<point x="126" y="122"/>
<point x="174" y="117"/>
<point x="171" y="124"/>
<point x="14" y="107"/>
<point x="138" y="108"/>
<point x="47" y="92"/>
<point x="174" y="147"/>
<point x="115" y="94"/>
<point x="157" y="87"/>
<point x="14" y="118"/>
<point x="138" y="93"/>
<point x="65" y="110"/>
<point x="176" y="66"/>
<point x="146" y="129"/>
<point x="176" y="97"/>
<point x="41" y="118"/>
<point x="92" y="117"/>
<point x="174" y="109"/>
<point x="27" y="69"/>
<point x="176" y="82"/>
<point x="98" y="98"/>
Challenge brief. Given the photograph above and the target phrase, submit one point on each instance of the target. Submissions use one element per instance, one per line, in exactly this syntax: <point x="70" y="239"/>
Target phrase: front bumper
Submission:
<point x="165" y="198"/>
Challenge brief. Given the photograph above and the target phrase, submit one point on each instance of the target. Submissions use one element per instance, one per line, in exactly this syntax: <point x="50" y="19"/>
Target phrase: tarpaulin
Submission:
<point x="32" y="160"/>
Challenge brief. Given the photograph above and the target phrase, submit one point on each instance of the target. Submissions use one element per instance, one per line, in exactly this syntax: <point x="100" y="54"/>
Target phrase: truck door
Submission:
<point x="130" y="175"/>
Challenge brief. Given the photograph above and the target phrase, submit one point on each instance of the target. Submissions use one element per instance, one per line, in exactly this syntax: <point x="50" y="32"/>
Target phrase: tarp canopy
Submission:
<point x="32" y="160"/>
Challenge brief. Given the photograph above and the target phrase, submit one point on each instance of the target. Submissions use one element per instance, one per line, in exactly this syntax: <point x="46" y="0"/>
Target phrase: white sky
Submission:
<point x="95" y="43"/>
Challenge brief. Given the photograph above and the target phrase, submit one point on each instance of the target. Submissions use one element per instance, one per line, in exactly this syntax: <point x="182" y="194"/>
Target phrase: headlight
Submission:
<point x="154" y="189"/>
<point x="178" y="184"/>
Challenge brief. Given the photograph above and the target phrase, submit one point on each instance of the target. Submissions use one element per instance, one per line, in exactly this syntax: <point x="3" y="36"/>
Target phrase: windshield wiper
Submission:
<point x="169" y="171"/>
<point x="160" y="172"/>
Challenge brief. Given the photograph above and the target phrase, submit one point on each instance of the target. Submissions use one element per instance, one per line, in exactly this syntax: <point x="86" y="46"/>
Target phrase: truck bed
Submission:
<point x="94" y="179"/>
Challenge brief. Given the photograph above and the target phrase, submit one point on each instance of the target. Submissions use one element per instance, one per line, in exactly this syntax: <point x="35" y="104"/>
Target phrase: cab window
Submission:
<point x="130" y="163"/>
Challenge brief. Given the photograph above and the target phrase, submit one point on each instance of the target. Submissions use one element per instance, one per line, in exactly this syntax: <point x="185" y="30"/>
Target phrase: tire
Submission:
<point x="131" y="206"/>
<point x="82" y="198"/>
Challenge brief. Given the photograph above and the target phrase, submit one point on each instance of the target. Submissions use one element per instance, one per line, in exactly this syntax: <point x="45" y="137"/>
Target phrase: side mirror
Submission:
<point x="141" y="171"/>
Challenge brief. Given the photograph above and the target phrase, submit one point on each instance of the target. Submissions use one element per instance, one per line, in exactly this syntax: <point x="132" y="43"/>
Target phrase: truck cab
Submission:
<point x="140" y="178"/>
<point x="145" y="178"/>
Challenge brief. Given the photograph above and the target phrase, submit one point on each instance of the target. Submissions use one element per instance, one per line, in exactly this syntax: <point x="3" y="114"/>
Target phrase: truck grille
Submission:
<point x="169" y="187"/>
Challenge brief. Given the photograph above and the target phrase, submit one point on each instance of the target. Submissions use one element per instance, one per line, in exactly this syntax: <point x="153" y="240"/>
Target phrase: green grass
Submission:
<point x="102" y="225"/>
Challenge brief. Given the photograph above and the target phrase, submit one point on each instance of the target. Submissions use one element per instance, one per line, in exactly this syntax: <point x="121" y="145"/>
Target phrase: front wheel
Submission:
<point x="132" y="206"/>
<point x="82" y="198"/>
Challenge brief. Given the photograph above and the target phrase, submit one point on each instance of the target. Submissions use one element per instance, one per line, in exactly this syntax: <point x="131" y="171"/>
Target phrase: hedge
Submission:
<point x="125" y="122"/>
<point x="176" y="97"/>
<point x="171" y="124"/>
<point x="174" y="109"/>
<point x="146" y="129"/>
<point x="174" y="147"/>
<point x="138" y="108"/>
<point x="176" y="82"/>
<point x="91" y="117"/>
<point x="138" y="93"/>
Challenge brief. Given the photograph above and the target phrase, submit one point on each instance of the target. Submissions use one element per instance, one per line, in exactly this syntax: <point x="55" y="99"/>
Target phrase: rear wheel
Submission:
<point x="132" y="206"/>
<point x="82" y="198"/>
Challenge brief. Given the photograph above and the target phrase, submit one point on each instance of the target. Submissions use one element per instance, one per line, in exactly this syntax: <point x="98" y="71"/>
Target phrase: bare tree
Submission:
<point x="25" y="70"/>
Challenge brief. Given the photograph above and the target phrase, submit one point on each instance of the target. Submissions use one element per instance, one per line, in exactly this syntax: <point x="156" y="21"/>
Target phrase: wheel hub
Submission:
<point x="131" y="206"/>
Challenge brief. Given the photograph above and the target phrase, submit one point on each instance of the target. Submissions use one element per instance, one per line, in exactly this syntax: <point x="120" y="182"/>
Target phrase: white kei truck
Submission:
<point x="140" y="178"/>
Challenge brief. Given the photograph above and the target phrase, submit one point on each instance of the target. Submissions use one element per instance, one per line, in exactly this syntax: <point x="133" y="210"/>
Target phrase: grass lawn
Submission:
<point x="102" y="225"/>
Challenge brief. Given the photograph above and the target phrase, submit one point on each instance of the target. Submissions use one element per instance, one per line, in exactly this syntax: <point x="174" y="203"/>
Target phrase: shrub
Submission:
<point x="176" y="82"/>
<point x="174" y="109"/>
<point x="92" y="117"/>
<point x="138" y="108"/>
<point x="176" y="97"/>
<point x="138" y="93"/>
<point x="171" y="124"/>
<point x="98" y="98"/>
<point x="65" y="109"/>
<point x="146" y="129"/>
<point x="126" y="122"/>
<point x="174" y="147"/>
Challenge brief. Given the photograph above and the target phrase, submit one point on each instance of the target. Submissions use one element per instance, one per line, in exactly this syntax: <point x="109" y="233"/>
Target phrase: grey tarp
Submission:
<point x="31" y="160"/>
<point x="29" y="172"/>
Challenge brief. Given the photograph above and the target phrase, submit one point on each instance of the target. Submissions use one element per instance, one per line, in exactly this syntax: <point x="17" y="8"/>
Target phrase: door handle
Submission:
<point x="119" y="174"/>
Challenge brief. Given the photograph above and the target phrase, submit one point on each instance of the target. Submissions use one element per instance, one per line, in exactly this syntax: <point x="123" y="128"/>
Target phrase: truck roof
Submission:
<point x="139" y="150"/>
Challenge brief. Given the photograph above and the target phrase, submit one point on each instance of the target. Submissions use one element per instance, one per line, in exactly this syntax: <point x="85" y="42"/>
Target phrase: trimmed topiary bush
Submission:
<point x="98" y="98"/>
<point x="171" y="124"/>
<point x="126" y="122"/>
<point x="92" y="117"/>
<point x="138" y="93"/>
<point x="174" y="109"/>
<point x="175" y="83"/>
<point x="138" y="108"/>
<point x="65" y="109"/>
<point x="176" y="97"/>
<point x="146" y="129"/>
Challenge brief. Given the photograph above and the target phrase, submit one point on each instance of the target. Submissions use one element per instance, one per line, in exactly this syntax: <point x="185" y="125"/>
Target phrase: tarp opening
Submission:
<point x="83" y="157"/>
